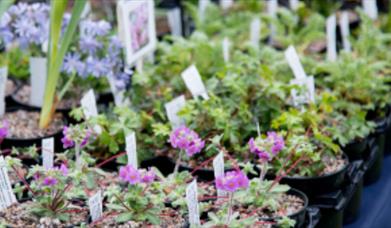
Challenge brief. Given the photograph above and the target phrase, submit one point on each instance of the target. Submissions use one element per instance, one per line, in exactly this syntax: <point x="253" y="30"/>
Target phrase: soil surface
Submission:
<point x="10" y="87"/>
<point x="169" y="218"/>
<point x="23" y="96"/>
<point x="18" y="215"/>
<point x="25" y="125"/>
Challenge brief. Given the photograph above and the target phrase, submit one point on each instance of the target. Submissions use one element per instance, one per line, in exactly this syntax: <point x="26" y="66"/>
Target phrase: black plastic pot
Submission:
<point x="387" y="143"/>
<point x="300" y="216"/>
<point x="356" y="150"/>
<point x="353" y="192"/>
<point x="374" y="164"/>
<point x="331" y="209"/>
<point x="313" y="186"/>
<point x="8" y="143"/>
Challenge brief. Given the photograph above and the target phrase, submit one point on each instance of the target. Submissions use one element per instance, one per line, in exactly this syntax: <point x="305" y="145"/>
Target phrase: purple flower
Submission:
<point x="232" y="181"/>
<point x="72" y="64"/>
<point x="49" y="181"/>
<point x="66" y="140"/>
<point x="130" y="174"/>
<point x="267" y="148"/>
<point x="195" y="147"/>
<point x="4" y="129"/>
<point x="89" y="44"/>
<point x="98" y="68"/>
<point x="64" y="170"/>
<point x="185" y="139"/>
<point x="148" y="176"/>
<point x="75" y="134"/>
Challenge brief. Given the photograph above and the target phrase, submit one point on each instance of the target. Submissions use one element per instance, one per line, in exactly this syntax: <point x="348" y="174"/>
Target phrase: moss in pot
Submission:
<point x="23" y="129"/>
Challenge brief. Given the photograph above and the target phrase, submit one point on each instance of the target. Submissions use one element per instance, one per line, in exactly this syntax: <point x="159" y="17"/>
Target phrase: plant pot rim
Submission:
<point x="14" y="109"/>
<point x="335" y="173"/>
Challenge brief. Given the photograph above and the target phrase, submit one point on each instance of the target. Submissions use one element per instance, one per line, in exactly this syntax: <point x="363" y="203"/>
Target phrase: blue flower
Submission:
<point x="95" y="28"/>
<point x="72" y="64"/>
<point x="89" y="45"/>
<point x="98" y="67"/>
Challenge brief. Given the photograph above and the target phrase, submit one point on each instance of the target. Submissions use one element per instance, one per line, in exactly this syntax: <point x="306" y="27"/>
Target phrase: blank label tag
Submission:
<point x="272" y="6"/>
<point x="131" y="149"/>
<point x="294" y="62"/>
<point x="255" y="32"/>
<point x="226" y="4"/>
<point x="294" y="4"/>
<point x="202" y="5"/>
<point x="370" y="8"/>
<point x="172" y="109"/>
<point x="308" y="95"/>
<point x="344" y="25"/>
<point x="88" y="103"/>
<point x="38" y="77"/>
<point x="225" y="44"/>
<point x="331" y="38"/>
<point x="118" y="94"/>
<point x="96" y="206"/>
<point x="174" y="21"/>
<point x="3" y="83"/>
<point x="48" y="153"/>
<point x="192" y="204"/>
<point x="218" y="168"/>
<point x="194" y="83"/>
<point x="7" y="196"/>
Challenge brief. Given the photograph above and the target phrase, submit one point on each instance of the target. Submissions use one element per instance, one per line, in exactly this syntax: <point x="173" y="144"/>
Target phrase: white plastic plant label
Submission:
<point x="96" y="207"/>
<point x="272" y="6"/>
<point x="294" y="4"/>
<point x="226" y="4"/>
<point x="172" y="109"/>
<point x="3" y="83"/>
<point x="192" y="204"/>
<point x="305" y="96"/>
<point x="331" y="38"/>
<point x="344" y="25"/>
<point x="88" y="103"/>
<point x="174" y="21"/>
<point x="7" y="196"/>
<point x="225" y="43"/>
<point x="38" y="76"/>
<point x="193" y="81"/>
<point x="131" y="149"/>
<point x="48" y="153"/>
<point x="118" y="94"/>
<point x="202" y="5"/>
<point x="294" y="62"/>
<point x="370" y="8"/>
<point x="218" y="169"/>
<point x="255" y="32"/>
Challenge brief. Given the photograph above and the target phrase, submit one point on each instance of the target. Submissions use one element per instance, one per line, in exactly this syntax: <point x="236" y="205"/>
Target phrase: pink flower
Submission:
<point x="49" y="181"/>
<point x="232" y="181"/>
<point x="185" y="139"/>
<point x="267" y="148"/>
<point x="75" y="134"/>
<point x="130" y="174"/>
<point x="4" y="129"/>
<point x="148" y="176"/>
<point x="64" y="169"/>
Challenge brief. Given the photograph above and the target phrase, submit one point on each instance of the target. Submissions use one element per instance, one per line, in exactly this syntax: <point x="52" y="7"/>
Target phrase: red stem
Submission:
<point x="24" y="181"/>
<point x="110" y="159"/>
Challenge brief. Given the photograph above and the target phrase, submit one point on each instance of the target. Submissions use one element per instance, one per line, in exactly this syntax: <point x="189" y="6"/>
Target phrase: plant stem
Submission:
<point x="231" y="197"/>
<point x="77" y="154"/>
<point x="263" y="171"/>
<point x="66" y="86"/>
<point x="178" y="161"/>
